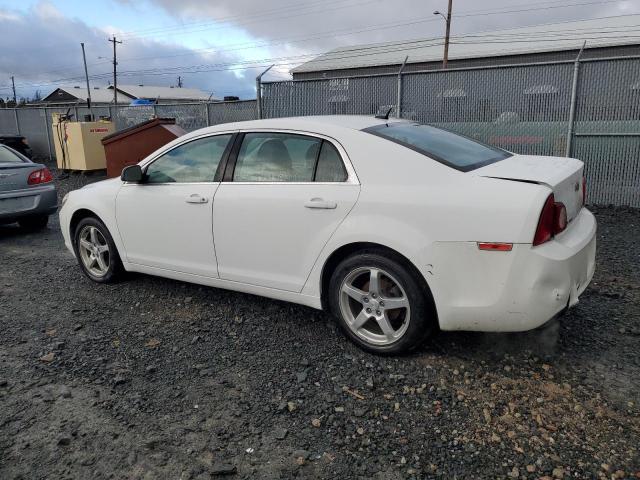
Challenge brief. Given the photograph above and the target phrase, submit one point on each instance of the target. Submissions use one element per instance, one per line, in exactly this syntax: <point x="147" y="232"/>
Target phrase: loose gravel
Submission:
<point x="153" y="378"/>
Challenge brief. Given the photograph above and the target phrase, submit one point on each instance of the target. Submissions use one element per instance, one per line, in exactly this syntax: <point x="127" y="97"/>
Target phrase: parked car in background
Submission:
<point x="27" y="192"/>
<point x="18" y="143"/>
<point x="396" y="228"/>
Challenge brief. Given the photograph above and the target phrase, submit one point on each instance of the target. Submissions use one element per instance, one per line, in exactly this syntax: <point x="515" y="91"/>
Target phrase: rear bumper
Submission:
<point x="518" y="290"/>
<point x="32" y="201"/>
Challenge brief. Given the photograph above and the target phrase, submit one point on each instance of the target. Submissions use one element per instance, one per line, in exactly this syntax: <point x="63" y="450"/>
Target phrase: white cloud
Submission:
<point x="41" y="65"/>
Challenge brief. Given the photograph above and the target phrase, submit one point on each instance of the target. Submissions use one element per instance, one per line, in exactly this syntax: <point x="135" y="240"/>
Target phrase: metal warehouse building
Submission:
<point x="605" y="37"/>
<point x="74" y="94"/>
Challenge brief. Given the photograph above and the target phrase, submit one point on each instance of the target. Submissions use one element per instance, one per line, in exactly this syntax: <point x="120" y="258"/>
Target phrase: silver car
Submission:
<point x="27" y="192"/>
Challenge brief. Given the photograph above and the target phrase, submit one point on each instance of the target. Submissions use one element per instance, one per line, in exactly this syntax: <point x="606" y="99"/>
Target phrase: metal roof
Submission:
<point x="98" y="94"/>
<point x="602" y="32"/>
<point x="163" y="93"/>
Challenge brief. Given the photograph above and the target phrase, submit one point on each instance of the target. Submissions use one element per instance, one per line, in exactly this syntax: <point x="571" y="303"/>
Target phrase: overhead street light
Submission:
<point x="447" y="19"/>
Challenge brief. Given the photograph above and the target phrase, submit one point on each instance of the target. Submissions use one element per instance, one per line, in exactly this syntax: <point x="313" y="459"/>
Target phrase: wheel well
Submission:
<point x="75" y="220"/>
<point x="360" y="247"/>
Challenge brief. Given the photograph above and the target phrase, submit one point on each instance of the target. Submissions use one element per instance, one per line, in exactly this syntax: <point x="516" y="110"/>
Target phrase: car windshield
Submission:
<point x="7" y="156"/>
<point x="456" y="151"/>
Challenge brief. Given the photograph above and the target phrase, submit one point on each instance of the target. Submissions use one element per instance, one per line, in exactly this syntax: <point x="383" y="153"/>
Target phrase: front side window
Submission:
<point x="196" y="161"/>
<point x="446" y="147"/>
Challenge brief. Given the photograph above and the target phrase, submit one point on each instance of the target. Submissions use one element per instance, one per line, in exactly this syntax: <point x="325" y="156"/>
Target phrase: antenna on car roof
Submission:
<point x="383" y="113"/>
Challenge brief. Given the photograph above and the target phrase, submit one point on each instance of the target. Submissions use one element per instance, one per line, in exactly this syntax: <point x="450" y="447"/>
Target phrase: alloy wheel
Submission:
<point x="374" y="305"/>
<point x="94" y="251"/>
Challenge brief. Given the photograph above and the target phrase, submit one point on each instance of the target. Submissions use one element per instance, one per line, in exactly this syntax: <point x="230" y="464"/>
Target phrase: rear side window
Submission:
<point x="276" y="157"/>
<point x="7" y="156"/>
<point x="330" y="167"/>
<point x="456" y="151"/>
<point x="285" y="157"/>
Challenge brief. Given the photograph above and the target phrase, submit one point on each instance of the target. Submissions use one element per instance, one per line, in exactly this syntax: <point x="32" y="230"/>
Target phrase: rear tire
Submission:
<point x="96" y="252"/>
<point x="34" y="223"/>
<point x="380" y="304"/>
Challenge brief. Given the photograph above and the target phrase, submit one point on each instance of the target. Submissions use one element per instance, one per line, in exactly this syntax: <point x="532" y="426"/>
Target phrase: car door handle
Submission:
<point x="320" y="203"/>
<point x="195" y="198"/>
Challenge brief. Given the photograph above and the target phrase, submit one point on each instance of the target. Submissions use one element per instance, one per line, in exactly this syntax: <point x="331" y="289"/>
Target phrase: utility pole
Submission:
<point x="447" y="19"/>
<point x="115" y="72"/>
<point x="179" y="81"/>
<point x="13" y="85"/>
<point x="446" y="37"/>
<point x="86" y="76"/>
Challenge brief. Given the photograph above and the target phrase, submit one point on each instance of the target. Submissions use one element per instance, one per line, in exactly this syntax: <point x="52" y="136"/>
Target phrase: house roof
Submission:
<point x="98" y="94"/>
<point x="602" y="32"/>
<point x="163" y="93"/>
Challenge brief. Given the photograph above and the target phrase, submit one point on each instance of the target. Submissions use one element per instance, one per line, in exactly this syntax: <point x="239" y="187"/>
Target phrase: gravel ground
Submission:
<point x="153" y="378"/>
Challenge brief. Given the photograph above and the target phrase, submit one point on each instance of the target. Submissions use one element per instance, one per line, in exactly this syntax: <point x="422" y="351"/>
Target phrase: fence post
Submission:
<point x="207" y="113"/>
<point x="15" y="116"/>
<point x="155" y="111"/>
<point x="46" y="127"/>
<point x="259" y="92"/>
<point x="75" y="111"/>
<point x="399" y="99"/>
<point x="574" y="99"/>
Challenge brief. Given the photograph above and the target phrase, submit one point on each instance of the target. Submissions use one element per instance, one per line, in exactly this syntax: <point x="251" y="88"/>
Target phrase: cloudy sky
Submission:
<point x="220" y="46"/>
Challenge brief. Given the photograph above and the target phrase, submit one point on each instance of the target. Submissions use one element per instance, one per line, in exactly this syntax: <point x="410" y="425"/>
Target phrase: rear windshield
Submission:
<point x="7" y="156"/>
<point x="456" y="151"/>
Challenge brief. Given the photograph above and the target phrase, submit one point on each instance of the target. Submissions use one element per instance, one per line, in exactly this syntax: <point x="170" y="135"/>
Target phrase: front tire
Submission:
<point x="380" y="304"/>
<point x="96" y="252"/>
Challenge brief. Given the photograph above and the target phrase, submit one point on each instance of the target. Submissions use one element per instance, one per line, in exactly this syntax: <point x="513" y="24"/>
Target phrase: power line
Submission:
<point x="288" y="7"/>
<point x="469" y="13"/>
<point x="253" y="19"/>
<point x="332" y="57"/>
<point x="244" y="46"/>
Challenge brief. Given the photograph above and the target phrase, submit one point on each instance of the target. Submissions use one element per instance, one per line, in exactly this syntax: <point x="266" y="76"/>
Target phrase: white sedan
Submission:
<point x="396" y="228"/>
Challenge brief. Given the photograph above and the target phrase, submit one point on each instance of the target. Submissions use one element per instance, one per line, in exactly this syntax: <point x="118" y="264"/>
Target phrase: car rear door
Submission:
<point x="282" y="197"/>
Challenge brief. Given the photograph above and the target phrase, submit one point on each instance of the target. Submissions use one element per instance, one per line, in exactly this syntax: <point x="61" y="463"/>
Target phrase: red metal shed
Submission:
<point x="131" y="145"/>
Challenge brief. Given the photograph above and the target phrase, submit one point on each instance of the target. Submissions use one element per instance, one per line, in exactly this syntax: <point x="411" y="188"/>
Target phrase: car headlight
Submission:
<point x="64" y="199"/>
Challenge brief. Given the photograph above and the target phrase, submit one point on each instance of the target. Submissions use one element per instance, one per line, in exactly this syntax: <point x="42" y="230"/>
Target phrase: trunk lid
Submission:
<point x="562" y="175"/>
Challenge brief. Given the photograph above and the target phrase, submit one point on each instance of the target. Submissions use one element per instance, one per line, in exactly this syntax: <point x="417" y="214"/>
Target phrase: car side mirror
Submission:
<point x="132" y="173"/>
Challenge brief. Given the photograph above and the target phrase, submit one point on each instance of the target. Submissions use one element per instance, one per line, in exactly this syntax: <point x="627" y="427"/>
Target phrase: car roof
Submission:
<point x="319" y="123"/>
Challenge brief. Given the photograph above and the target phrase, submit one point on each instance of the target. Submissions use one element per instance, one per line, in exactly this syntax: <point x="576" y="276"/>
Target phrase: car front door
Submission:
<point x="165" y="220"/>
<point x="282" y="197"/>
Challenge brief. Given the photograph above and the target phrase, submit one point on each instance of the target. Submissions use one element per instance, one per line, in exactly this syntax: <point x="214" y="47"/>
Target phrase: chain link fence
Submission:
<point x="525" y="109"/>
<point x="35" y="123"/>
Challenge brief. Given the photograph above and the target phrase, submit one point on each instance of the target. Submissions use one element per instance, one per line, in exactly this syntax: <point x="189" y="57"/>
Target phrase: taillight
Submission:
<point x="584" y="191"/>
<point x="37" y="177"/>
<point x="553" y="220"/>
